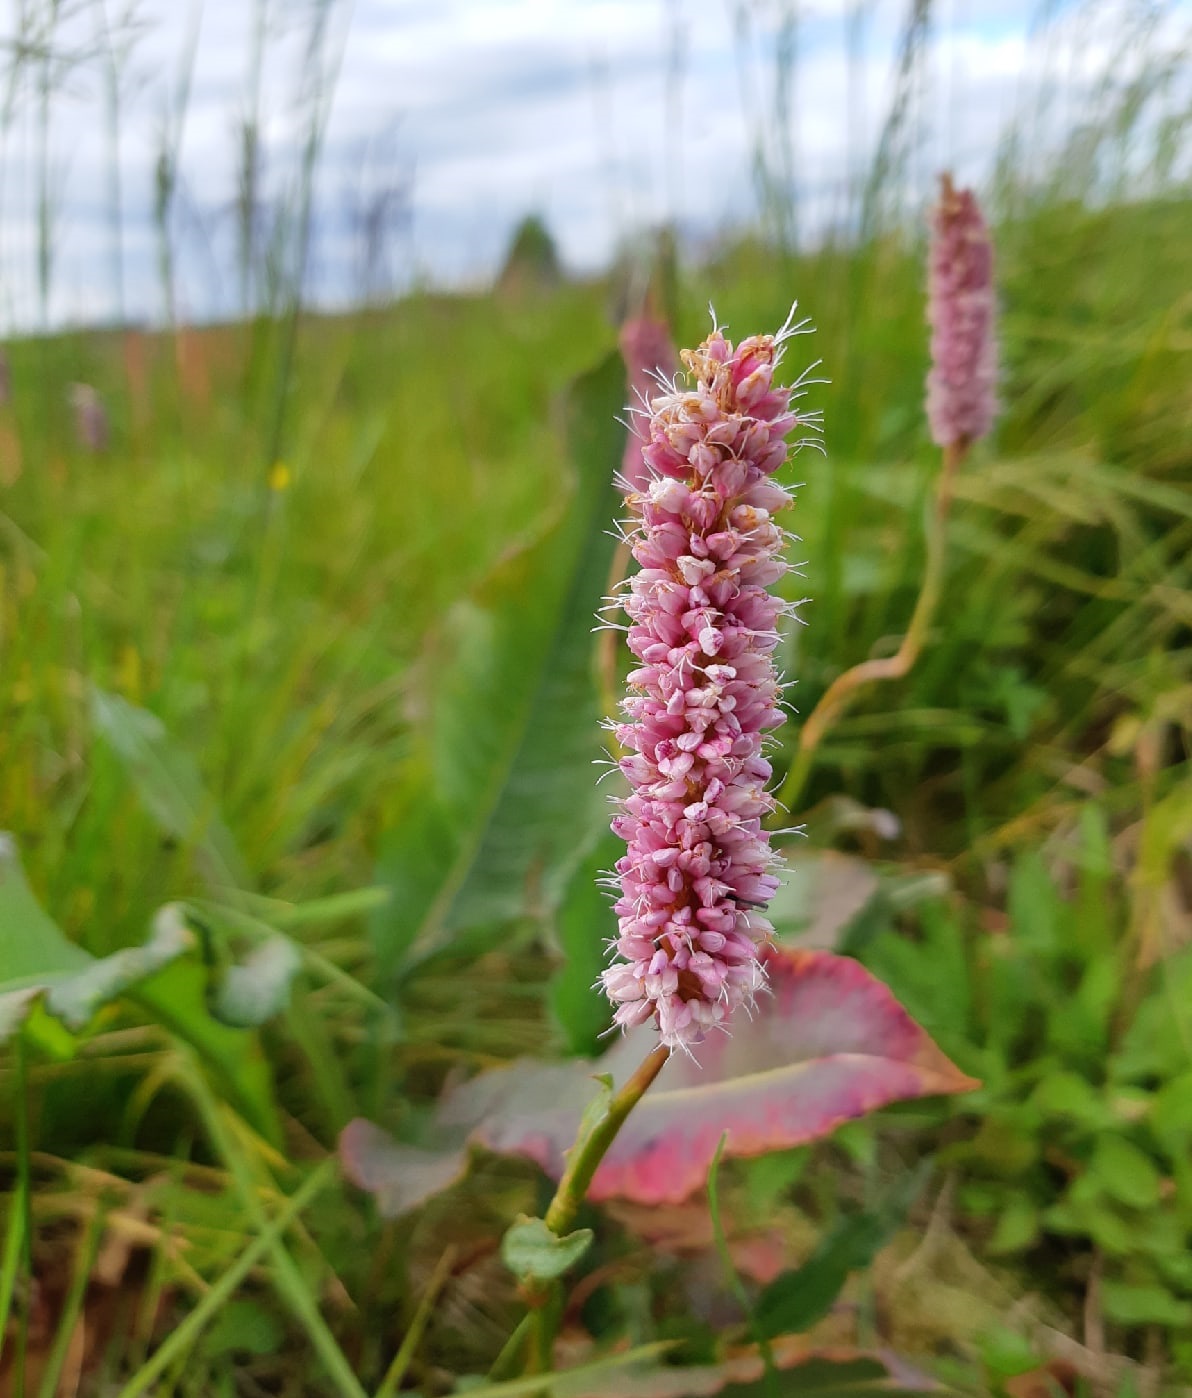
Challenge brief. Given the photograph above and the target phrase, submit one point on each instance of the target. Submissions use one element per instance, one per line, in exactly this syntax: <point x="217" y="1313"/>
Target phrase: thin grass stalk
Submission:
<point x="180" y="1339"/>
<point x="319" y="95"/>
<point x="71" y="1309"/>
<point x="289" y="1280"/>
<point x="413" y="1336"/>
<point x="44" y="196"/>
<point x="845" y="688"/>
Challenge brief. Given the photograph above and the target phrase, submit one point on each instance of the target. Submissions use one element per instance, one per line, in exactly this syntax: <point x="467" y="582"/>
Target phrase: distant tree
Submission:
<point x="532" y="262"/>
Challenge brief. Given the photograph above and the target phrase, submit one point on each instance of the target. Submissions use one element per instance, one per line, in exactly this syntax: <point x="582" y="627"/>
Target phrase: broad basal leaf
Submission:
<point x="826" y="1045"/>
<point x="499" y="801"/>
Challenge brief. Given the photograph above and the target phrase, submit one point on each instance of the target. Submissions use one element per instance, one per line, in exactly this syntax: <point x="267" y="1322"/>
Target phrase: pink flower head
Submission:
<point x="960" y="309"/>
<point x="703" y="628"/>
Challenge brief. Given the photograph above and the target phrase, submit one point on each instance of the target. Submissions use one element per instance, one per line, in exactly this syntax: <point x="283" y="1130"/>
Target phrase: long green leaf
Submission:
<point x="169" y="785"/>
<point x="499" y="801"/>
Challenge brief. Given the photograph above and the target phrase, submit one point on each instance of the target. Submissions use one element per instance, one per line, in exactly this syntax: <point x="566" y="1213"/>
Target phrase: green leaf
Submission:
<point x="1017" y="1228"/>
<point x="1171" y="1118"/>
<point x="1093" y="1219"/>
<point x="52" y="988"/>
<point x="1125" y="1172"/>
<point x="169" y="785"/>
<point x="1156" y="1043"/>
<point x="794" y="1301"/>
<point x="1067" y="1095"/>
<point x="1144" y="1305"/>
<point x="38" y="965"/>
<point x="533" y="1253"/>
<point x="583" y="925"/>
<point x="243" y="1327"/>
<point x="1034" y="907"/>
<point x="499" y="802"/>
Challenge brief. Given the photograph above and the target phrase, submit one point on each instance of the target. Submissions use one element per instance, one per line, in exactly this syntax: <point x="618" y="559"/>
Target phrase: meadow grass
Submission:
<point x="281" y="615"/>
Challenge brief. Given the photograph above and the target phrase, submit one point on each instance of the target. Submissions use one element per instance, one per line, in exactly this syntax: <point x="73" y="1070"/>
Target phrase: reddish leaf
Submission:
<point x="829" y="1044"/>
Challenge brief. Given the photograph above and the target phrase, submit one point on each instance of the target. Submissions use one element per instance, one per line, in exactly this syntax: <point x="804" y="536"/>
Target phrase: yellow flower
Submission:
<point x="279" y="476"/>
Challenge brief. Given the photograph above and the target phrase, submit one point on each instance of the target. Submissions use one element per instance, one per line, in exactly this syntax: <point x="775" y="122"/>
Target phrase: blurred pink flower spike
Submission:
<point x="91" y="420"/>
<point x="961" y="309"/>
<point x="703" y="627"/>
<point x="650" y="364"/>
<point x="829" y="1045"/>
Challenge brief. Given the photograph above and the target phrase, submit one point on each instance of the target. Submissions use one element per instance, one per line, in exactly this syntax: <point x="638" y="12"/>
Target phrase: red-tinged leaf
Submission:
<point x="828" y="1044"/>
<point x="400" y="1176"/>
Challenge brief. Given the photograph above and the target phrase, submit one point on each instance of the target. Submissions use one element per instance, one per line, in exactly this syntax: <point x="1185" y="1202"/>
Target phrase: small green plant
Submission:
<point x="1074" y="1161"/>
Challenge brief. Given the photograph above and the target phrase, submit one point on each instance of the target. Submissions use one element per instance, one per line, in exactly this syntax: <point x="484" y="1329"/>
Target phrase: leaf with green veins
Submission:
<point x="1125" y="1172"/>
<point x="169" y="785"/>
<point x="499" y="801"/>
<point x="533" y="1253"/>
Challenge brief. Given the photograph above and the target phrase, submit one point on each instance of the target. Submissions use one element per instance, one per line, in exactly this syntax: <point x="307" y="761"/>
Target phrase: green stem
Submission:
<point x="534" y="1333"/>
<point x="589" y="1150"/>
<point x="840" y="694"/>
<point x="506" y="1363"/>
<point x="413" y="1336"/>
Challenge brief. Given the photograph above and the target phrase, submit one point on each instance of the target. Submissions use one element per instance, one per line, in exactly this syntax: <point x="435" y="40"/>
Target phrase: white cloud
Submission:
<point x="571" y="107"/>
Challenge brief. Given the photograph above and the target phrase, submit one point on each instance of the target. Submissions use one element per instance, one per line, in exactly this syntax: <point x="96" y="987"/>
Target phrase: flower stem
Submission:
<point x="843" y="690"/>
<point x="531" y="1341"/>
<point x="590" y="1147"/>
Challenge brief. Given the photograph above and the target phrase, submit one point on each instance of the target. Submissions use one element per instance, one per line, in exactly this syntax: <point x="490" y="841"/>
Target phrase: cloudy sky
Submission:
<point x="450" y="119"/>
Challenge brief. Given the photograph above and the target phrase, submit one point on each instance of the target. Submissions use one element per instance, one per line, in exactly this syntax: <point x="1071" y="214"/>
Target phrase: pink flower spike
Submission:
<point x="961" y="400"/>
<point x="703" y="626"/>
